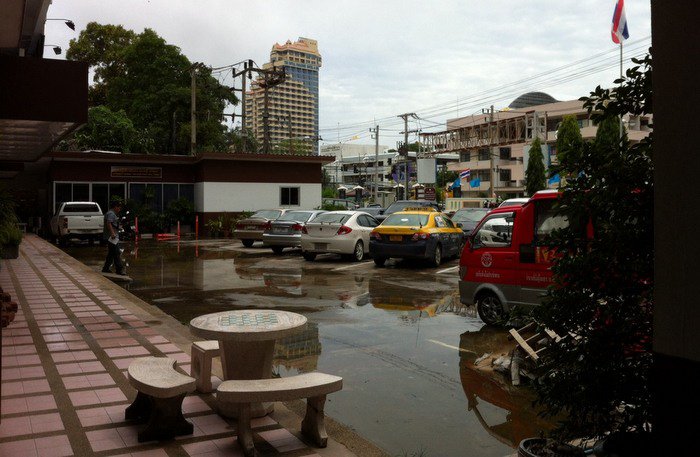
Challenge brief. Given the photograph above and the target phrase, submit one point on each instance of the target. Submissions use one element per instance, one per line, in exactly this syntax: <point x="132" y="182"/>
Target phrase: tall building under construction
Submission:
<point x="292" y="105"/>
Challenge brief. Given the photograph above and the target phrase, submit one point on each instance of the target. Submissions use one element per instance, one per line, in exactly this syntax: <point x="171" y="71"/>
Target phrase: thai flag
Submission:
<point x="619" y="23"/>
<point x="465" y="174"/>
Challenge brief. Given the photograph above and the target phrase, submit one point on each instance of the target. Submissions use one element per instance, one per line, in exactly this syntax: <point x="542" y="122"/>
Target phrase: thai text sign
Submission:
<point x="136" y="172"/>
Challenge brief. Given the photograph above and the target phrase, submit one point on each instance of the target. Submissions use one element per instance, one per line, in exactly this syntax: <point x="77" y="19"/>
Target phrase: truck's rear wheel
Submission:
<point x="247" y="243"/>
<point x="490" y="308"/>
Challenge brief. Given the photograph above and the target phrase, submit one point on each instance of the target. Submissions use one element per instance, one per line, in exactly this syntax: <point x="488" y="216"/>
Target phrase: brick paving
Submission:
<point x="64" y="361"/>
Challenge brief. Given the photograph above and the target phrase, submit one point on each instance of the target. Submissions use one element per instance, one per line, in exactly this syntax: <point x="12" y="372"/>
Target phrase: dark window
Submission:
<point x="464" y="156"/>
<point x="63" y="194"/>
<point x="505" y="174"/>
<point x="289" y="196"/>
<point x="484" y="154"/>
<point x="154" y="195"/>
<point x="117" y="190"/>
<point x="187" y="191"/>
<point x="100" y="195"/>
<point x="136" y="192"/>
<point x="81" y="192"/>
<point x="504" y="153"/>
<point x="169" y="194"/>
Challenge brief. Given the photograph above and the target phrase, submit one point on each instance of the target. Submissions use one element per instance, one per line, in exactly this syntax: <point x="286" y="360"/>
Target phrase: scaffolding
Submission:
<point x="499" y="132"/>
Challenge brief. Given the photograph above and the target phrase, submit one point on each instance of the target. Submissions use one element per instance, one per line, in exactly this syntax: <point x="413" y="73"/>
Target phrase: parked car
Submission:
<point x="82" y="220"/>
<point x="416" y="233"/>
<point x="400" y="205"/>
<point x="344" y="202"/>
<point x="338" y="232"/>
<point x="514" y="202"/>
<point x="251" y="229"/>
<point x="372" y="210"/>
<point x="285" y="231"/>
<point x="468" y="218"/>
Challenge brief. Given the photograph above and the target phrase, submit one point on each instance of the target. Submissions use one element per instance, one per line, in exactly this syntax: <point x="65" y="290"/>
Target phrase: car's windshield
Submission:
<point x="469" y="215"/>
<point x="331" y="218"/>
<point x="267" y="214"/>
<point x="406" y="220"/>
<point x="299" y="216"/>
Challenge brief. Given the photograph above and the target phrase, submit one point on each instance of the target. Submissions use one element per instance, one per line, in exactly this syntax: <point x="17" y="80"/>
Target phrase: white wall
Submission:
<point x="229" y="196"/>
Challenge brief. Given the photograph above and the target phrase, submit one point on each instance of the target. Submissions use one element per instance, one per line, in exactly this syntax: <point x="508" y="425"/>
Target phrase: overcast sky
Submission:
<point x="439" y="59"/>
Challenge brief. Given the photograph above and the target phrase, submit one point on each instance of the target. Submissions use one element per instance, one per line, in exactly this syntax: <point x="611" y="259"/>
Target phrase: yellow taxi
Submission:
<point x="416" y="233"/>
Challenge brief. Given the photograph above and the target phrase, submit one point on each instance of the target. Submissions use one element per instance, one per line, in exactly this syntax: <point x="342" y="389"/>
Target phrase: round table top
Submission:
<point x="246" y="325"/>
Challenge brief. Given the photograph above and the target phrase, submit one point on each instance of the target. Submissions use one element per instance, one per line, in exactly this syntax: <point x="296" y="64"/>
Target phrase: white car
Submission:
<point x="338" y="232"/>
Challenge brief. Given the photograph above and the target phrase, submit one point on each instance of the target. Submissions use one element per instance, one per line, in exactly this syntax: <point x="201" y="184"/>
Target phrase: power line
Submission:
<point x="593" y="64"/>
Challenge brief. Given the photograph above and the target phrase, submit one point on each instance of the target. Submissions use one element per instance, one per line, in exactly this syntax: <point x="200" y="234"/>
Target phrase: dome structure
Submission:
<point x="531" y="99"/>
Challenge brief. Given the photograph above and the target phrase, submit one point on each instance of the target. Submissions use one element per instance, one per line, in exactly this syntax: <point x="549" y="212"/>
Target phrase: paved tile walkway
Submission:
<point x="64" y="361"/>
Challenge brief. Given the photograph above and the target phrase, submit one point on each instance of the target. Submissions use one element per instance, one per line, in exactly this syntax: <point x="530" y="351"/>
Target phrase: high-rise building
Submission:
<point x="293" y="104"/>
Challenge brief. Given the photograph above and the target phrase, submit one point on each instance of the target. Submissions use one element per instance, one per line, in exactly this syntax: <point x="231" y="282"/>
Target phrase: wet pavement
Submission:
<point x="397" y="335"/>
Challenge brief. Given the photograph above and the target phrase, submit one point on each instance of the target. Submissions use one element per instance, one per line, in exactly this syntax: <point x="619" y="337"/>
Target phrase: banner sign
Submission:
<point x="136" y="172"/>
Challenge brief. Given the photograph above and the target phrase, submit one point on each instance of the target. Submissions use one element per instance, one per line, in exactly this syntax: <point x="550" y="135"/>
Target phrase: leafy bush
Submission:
<point x="598" y="376"/>
<point x="180" y="210"/>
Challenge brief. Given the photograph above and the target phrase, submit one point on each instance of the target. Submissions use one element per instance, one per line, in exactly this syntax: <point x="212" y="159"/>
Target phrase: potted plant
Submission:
<point x="10" y="234"/>
<point x="215" y="225"/>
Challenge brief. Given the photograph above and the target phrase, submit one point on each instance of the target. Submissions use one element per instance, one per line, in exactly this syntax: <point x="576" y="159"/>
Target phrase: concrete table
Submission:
<point x="247" y="343"/>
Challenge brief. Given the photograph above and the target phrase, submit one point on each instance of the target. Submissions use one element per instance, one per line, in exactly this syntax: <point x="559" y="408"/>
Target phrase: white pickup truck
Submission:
<point x="83" y="220"/>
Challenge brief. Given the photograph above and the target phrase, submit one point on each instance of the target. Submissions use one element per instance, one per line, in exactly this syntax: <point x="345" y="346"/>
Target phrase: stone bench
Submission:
<point x="202" y="353"/>
<point x="161" y="390"/>
<point x="312" y="386"/>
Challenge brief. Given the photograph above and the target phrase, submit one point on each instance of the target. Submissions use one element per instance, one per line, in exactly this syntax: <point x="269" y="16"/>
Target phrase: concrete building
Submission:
<point x="495" y="146"/>
<point x="293" y="104"/>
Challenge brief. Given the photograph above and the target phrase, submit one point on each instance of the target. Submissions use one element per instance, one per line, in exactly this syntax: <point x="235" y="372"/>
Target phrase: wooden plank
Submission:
<point x="528" y="349"/>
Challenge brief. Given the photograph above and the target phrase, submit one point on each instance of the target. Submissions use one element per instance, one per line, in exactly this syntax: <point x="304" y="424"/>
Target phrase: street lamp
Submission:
<point x="68" y="22"/>
<point x="56" y="48"/>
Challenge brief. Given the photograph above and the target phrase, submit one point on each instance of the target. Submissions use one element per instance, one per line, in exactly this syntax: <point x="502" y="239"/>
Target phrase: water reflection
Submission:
<point x="426" y="299"/>
<point x="505" y="411"/>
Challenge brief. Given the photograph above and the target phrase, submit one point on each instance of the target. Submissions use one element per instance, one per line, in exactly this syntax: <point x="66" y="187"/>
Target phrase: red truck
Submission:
<point x="506" y="261"/>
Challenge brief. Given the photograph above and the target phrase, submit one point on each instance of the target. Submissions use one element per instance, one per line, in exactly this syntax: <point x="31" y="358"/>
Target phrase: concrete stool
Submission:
<point x="161" y="390"/>
<point x="201" y="354"/>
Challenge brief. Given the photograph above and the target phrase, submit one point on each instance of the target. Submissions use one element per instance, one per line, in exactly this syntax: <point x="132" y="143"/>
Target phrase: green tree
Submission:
<point x="597" y="378"/>
<point x="108" y="130"/>
<point x="150" y="81"/>
<point x="298" y="147"/>
<point x="535" y="178"/>
<point x="100" y="46"/>
<point x="569" y="141"/>
<point x="242" y="141"/>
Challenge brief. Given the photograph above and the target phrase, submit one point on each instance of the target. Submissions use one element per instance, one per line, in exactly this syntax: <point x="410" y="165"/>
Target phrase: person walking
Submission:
<point x="111" y="235"/>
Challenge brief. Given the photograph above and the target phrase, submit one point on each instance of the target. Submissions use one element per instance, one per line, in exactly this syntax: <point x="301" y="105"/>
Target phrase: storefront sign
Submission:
<point x="136" y="172"/>
<point x="430" y="193"/>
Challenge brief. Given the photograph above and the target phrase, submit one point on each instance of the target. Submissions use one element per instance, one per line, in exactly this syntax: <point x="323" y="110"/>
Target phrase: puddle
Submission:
<point x="397" y="335"/>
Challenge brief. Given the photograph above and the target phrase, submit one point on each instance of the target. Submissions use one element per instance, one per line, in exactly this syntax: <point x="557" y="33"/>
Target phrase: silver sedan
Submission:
<point x="338" y="232"/>
<point x="285" y="231"/>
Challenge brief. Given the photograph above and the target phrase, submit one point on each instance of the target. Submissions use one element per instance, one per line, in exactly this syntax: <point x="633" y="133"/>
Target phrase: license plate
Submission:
<point x="395" y="238"/>
<point x="278" y="230"/>
<point x="320" y="246"/>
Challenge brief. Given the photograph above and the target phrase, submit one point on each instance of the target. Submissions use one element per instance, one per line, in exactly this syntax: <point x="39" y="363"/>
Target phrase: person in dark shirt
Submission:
<point x="111" y="235"/>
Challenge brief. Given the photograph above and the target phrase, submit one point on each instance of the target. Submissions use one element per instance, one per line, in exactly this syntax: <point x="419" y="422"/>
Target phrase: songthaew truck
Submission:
<point x="506" y="261"/>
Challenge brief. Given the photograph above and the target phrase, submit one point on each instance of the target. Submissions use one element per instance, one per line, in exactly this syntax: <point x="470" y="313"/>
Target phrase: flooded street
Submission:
<point x="397" y="335"/>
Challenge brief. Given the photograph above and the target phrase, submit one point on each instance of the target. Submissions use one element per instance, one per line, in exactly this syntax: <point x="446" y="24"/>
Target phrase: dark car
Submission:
<point x="468" y="218"/>
<point x="373" y="210"/>
<point x="400" y="205"/>
<point x="251" y="229"/>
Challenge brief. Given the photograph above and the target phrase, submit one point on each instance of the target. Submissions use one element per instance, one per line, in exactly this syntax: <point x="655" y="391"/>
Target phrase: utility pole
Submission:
<point x="405" y="117"/>
<point x="375" y="130"/>
<point x="491" y="168"/>
<point x="193" y="110"/>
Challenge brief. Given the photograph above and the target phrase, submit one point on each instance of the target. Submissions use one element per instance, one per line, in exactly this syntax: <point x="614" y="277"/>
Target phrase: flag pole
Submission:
<point x="621" y="76"/>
